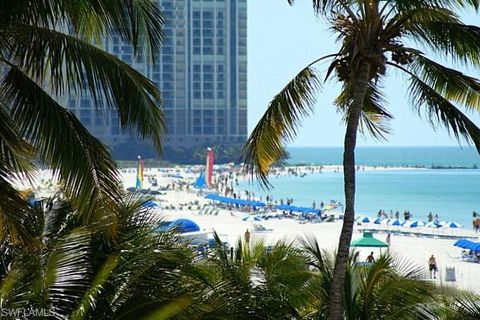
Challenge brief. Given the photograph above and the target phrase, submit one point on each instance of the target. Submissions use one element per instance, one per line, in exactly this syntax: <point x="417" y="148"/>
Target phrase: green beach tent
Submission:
<point x="368" y="241"/>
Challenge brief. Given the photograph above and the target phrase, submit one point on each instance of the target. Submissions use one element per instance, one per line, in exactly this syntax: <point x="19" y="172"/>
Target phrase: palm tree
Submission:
<point x="454" y="304"/>
<point x="46" y="53"/>
<point x="374" y="36"/>
<point x="390" y="288"/>
<point x="76" y="273"/>
<point x="255" y="283"/>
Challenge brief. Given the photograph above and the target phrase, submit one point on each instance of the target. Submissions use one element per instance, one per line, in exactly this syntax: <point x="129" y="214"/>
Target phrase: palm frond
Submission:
<point x="15" y="152"/>
<point x="95" y="288"/>
<point x="466" y="306"/>
<point x="374" y="117"/>
<point x="82" y="162"/>
<point x="450" y="83"/>
<point x="453" y="40"/>
<point x="324" y="6"/>
<point x="440" y="110"/>
<point x="67" y="272"/>
<point x="138" y="22"/>
<point x="74" y="66"/>
<point x="265" y="146"/>
<point x="14" y="215"/>
<point x="403" y="5"/>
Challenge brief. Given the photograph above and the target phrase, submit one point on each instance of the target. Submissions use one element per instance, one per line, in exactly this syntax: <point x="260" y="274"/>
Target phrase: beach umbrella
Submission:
<point x="378" y="221"/>
<point x="395" y="222"/>
<point x="432" y="224"/>
<point x="474" y="246"/>
<point x="413" y="223"/>
<point x="150" y="204"/>
<point x="366" y="220"/>
<point x="368" y="241"/>
<point x="461" y="243"/>
<point x="251" y="219"/>
<point x="179" y="225"/>
<point x="416" y="224"/>
<point x="452" y="224"/>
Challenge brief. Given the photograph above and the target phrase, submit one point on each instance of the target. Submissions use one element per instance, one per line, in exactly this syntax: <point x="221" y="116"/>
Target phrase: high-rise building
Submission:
<point x="201" y="71"/>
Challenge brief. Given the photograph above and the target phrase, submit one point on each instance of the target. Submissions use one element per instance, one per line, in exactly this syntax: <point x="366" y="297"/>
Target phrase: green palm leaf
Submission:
<point x="66" y="272"/>
<point x="74" y="66"/>
<point x="82" y="162"/>
<point x="450" y="83"/>
<point x="15" y="151"/>
<point x="451" y="39"/>
<point x="265" y="146"/>
<point x="440" y="110"/>
<point x="139" y="22"/>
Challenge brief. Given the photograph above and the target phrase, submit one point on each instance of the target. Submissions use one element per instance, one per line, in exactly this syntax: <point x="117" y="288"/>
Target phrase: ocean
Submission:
<point x="445" y="157"/>
<point x="453" y="194"/>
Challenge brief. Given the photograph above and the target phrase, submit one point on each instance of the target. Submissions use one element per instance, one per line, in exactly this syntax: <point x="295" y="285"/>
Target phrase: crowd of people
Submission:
<point x="407" y="215"/>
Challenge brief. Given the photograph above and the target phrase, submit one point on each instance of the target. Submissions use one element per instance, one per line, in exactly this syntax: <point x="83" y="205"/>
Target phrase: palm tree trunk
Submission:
<point x="336" y="290"/>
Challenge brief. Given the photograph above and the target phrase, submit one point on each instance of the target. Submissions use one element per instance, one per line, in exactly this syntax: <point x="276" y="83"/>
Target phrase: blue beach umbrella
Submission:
<point x="416" y="224"/>
<point x="395" y="222"/>
<point x="433" y="224"/>
<point x="366" y="220"/>
<point x="461" y="243"/>
<point x="413" y="224"/>
<point x="378" y="221"/>
<point x="185" y="225"/>
<point x="452" y="224"/>
<point x="150" y="204"/>
<point x="179" y="225"/>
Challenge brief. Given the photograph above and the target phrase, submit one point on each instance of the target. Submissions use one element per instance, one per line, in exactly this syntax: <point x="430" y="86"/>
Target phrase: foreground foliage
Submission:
<point x="75" y="272"/>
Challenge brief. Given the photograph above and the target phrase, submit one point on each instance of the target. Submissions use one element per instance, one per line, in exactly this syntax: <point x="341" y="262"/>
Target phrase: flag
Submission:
<point x="209" y="166"/>
<point x="139" y="184"/>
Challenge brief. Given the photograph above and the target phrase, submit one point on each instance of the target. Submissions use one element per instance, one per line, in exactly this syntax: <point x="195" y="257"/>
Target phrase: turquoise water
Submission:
<point x="391" y="156"/>
<point x="453" y="194"/>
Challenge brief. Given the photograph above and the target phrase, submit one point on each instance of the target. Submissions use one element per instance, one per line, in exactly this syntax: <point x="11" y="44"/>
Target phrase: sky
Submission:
<point x="283" y="39"/>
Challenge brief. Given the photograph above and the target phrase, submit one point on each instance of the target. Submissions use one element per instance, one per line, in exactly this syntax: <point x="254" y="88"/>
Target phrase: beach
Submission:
<point x="177" y="199"/>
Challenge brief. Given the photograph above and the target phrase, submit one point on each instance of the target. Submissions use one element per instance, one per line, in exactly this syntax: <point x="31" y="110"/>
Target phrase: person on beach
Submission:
<point x="477" y="224"/>
<point x="370" y="258"/>
<point x="247" y="236"/>
<point x="432" y="267"/>
<point x="430" y="217"/>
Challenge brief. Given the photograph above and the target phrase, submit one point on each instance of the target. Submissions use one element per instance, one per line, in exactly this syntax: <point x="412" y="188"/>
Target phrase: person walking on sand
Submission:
<point x="432" y="267"/>
<point x="247" y="236"/>
<point x="370" y="258"/>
